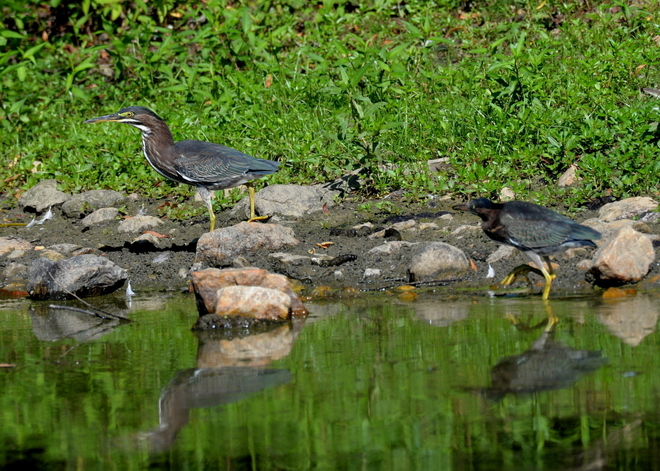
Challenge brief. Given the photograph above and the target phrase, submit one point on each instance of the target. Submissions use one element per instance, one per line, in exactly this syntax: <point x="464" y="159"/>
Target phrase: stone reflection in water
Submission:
<point x="50" y="324"/>
<point x="630" y="319"/>
<point x="228" y="370"/>
<point x="252" y="350"/>
<point x="547" y="365"/>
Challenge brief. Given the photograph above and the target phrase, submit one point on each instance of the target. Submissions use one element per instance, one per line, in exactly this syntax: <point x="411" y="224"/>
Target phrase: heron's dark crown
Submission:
<point x="142" y="118"/>
<point x="481" y="203"/>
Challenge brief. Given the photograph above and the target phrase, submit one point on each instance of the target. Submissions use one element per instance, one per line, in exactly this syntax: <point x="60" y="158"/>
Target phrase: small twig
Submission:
<point x="77" y="309"/>
<point x="115" y="316"/>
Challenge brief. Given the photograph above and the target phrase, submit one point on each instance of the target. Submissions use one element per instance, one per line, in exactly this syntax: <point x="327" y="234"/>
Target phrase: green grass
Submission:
<point x="512" y="92"/>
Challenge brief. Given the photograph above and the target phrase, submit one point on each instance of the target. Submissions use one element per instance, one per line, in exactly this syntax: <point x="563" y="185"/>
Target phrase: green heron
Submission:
<point x="204" y="165"/>
<point x="536" y="231"/>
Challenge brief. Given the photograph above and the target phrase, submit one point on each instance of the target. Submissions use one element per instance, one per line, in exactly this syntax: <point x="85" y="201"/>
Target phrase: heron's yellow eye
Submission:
<point x="128" y="114"/>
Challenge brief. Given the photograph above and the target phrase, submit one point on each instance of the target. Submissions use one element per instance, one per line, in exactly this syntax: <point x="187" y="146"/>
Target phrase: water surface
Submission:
<point x="365" y="383"/>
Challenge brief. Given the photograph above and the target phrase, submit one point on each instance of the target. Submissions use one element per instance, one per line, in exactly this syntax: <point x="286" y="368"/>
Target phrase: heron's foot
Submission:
<point x="521" y="270"/>
<point x="257" y="218"/>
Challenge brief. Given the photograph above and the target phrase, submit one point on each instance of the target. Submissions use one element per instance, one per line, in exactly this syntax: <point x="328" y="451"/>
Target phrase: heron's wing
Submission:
<point x="205" y="162"/>
<point x="532" y="226"/>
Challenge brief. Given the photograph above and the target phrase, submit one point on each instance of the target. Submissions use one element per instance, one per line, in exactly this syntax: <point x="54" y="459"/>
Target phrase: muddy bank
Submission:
<point x="330" y="232"/>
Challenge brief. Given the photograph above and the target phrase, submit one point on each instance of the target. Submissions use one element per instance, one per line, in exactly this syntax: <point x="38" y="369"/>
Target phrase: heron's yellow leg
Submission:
<point x="253" y="214"/>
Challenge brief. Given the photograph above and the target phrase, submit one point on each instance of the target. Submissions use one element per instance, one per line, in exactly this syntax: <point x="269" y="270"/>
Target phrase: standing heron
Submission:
<point x="204" y="165"/>
<point x="536" y="231"/>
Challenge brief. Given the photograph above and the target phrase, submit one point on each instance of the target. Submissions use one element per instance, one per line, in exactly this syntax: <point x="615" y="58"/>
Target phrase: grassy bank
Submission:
<point x="511" y="92"/>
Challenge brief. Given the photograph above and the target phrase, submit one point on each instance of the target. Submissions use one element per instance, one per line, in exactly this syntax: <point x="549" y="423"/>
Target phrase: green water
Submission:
<point x="363" y="384"/>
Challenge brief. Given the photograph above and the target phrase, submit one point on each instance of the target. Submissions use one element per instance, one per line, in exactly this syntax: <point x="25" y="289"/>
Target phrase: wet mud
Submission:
<point x="331" y="233"/>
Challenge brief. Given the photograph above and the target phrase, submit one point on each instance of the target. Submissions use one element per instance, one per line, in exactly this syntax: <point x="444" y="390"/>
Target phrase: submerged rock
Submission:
<point x="82" y="275"/>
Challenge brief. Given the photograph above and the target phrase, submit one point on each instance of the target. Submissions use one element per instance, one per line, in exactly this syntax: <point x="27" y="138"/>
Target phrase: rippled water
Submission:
<point x="366" y="383"/>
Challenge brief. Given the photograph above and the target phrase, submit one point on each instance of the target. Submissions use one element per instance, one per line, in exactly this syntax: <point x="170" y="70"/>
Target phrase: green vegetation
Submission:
<point x="511" y="92"/>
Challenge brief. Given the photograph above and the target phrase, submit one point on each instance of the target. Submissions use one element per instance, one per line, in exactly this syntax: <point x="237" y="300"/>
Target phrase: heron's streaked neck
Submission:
<point x="158" y="148"/>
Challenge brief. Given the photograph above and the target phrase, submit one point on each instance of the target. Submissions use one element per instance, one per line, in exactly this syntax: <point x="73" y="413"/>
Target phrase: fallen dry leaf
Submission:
<point x="473" y="265"/>
<point x="325" y="245"/>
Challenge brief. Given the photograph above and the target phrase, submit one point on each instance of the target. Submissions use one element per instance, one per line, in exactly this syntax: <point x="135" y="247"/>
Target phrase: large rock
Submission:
<point x="84" y="203"/>
<point x="624" y="258"/>
<point x="288" y="200"/>
<point x="82" y="275"/>
<point x="438" y="261"/>
<point x="42" y="196"/>
<point x="207" y="283"/>
<point x="9" y="244"/>
<point x="253" y="301"/>
<point x="627" y="209"/>
<point x="220" y="247"/>
<point x="390" y="248"/>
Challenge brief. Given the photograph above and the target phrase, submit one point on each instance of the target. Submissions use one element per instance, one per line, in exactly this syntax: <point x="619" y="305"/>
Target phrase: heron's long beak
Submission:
<point x="112" y="118"/>
<point x="457" y="207"/>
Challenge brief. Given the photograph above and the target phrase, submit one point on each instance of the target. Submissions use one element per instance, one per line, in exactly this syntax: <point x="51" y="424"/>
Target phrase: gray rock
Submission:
<point x="14" y="271"/>
<point x="42" y="196"/>
<point x="627" y="209"/>
<point x="220" y="247"/>
<point x="624" y="258"/>
<point x="82" y="275"/>
<point x="84" y="203"/>
<point x="100" y="216"/>
<point x="16" y="254"/>
<point x="65" y="248"/>
<point x="372" y="272"/>
<point x="287" y="200"/>
<point x="466" y="229"/>
<point x="390" y="248"/>
<point x="504" y="251"/>
<point x="438" y="261"/>
<point x="139" y="224"/>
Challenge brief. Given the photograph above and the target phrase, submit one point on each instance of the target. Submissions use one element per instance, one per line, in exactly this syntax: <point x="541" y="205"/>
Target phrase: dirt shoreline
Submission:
<point x="168" y="268"/>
